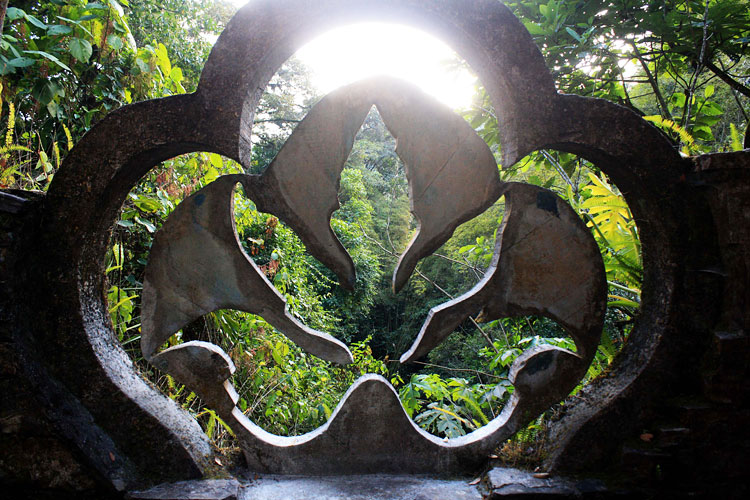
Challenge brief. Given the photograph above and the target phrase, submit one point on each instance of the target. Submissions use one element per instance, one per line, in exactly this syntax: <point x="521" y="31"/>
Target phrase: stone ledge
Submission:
<point x="499" y="483"/>
<point x="362" y="487"/>
<point x="513" y="483"/>
<point x="207" y="489"/>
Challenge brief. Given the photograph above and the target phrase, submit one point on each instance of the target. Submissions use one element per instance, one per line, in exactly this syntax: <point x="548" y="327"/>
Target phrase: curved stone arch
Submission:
<point x="86" y="194"/>
<point x="637" y="157"/>
<point x="153" y="438"/>
<point x="264" y="34"/>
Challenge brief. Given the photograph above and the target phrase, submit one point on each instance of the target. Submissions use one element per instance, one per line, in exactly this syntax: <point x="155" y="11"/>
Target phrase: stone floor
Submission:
<point x="498" y="483"/>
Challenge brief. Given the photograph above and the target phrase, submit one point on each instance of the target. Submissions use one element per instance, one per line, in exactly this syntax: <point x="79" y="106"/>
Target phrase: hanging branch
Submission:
<point x="728" y="79"/>
<point x="486" y="336"/>
<point x="652" y="81"/>
<point x="698" y="70"/>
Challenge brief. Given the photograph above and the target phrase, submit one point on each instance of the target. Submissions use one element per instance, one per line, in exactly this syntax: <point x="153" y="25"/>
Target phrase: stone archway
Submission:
<point x="149" y="438"/>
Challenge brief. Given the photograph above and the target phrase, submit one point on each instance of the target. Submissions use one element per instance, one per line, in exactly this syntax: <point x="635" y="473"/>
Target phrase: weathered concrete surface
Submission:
<point x="301" y="185"/>
<point x="205" y="368"/>
<point x="546" y="262"/>
<point x="369" y="487"/>
<point x="725" y="180"/>
<point x="207" y="489"/>
<point x="269" y="487"/>
<point x="197" y="266"/>
<point x="498" y="483"/>
<point x="514" y="483"/>
<point x="452" y="174"/>
<point x="36" y="456"/>
<point x="369" y="432"/>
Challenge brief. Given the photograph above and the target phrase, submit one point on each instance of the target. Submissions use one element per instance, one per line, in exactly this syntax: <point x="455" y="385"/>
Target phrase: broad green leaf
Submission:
<point x="44" y="91"/>
<point x="163" y="59"/>
<point x="21" y="62"/>
<point x="59" y="29"/>
<point x="211" y="175"/>
<point x="216" y="160"/>
<point x="14" y="13"/>
<point x="678" y="99"/>
<point x="148" y="225"/>
<point x="573" y="33"/>
<point x="143" y="65"/>
<point x="114" y="41"/>
<point x="77" y="23"/>
<point x="146" y="204"/>
<point x="534" y="29"/>
<point x="80" y="49"/>
<point x="176" y="74"/>
<point x="36" y="22"/>
<point x="708" y="91"/>
<point x="53" y="109"/>
<point x="712" y="109"/>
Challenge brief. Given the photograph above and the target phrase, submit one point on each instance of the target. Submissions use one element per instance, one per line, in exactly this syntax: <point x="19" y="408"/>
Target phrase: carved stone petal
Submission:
<point x="546" y="262"/>
<point x="452" y="174"/>
<point x="205" y="368"/>
<point x="301" y="185"/>
<point x="197" y="266"/>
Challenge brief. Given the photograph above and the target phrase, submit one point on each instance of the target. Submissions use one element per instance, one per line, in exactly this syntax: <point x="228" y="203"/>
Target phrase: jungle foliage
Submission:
<point x="64" y="64"/>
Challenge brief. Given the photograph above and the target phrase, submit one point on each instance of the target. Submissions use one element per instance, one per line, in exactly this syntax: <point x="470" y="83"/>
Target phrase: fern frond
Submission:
<point x="68" y="136"/>
<point x="11" y="124"/>
<point x="685" y="137"/>
<point x="736" y="139"/>
<point x="13" y="147"/>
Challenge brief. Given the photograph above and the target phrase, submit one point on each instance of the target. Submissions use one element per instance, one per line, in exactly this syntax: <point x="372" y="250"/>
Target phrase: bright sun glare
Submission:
<point x="350" y="53"/>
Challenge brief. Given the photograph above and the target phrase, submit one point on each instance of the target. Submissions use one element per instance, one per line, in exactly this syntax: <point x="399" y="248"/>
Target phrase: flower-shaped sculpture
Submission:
<point x="546" y="262"/>
<point x="537" y="264"/>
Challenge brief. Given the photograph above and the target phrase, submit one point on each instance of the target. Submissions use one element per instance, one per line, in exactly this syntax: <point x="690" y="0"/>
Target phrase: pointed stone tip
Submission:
<point x="345" y="357"/>
<point x="348" y="280"/>
<point x="414" y="352"/>
<point x="405" y="357"/>
<point x="400" y="277"/>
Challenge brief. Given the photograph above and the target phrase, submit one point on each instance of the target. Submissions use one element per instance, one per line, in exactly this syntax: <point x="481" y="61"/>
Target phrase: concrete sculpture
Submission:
<point x="131" y="434"/>
<point x="546" y="262"/>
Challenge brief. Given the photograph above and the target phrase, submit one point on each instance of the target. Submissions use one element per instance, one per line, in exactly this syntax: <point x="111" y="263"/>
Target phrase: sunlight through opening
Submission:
<point x="350" y="53"/>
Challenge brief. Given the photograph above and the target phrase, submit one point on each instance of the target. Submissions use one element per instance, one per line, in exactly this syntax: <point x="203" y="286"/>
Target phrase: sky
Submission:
<point x="350" y="53"/>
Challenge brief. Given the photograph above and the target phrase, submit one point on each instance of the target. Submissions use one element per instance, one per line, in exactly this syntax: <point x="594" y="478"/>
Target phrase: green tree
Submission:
<point x="684" y="60"/>
<point x="187" y="28"/>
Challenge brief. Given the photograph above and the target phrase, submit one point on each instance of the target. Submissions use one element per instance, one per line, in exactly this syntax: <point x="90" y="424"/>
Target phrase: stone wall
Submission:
<point x="683" y="423"/>
<point x="687" y="430"/>
<point x="34" y="458"/>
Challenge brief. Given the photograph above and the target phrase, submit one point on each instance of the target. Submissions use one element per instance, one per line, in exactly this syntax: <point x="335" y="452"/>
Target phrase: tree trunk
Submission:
<point x="3" y="8"/>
